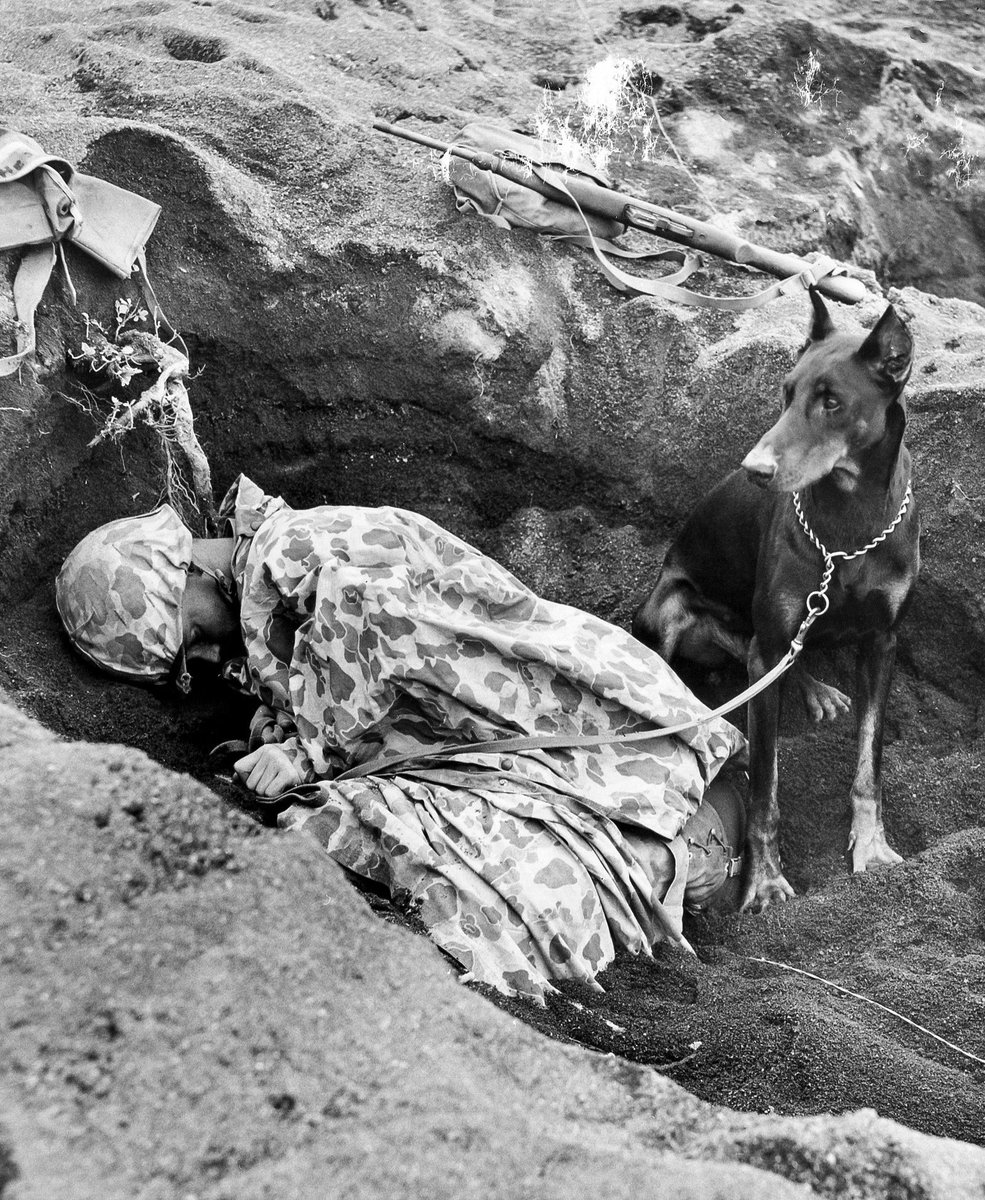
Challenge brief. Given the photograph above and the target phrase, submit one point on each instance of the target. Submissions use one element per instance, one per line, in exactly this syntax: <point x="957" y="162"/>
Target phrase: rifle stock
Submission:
<point x="601" y="201"/>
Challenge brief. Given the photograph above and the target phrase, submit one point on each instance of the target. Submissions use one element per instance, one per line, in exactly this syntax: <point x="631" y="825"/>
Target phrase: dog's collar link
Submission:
<point x="847" y="555"/>
<point x="818" y="601"/>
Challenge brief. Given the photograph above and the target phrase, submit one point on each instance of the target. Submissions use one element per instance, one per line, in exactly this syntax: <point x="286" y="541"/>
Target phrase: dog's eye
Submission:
<point x="828" y="402"/>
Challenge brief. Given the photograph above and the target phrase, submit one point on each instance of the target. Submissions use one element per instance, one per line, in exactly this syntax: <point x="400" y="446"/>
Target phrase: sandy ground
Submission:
<point x="360" y="342"/>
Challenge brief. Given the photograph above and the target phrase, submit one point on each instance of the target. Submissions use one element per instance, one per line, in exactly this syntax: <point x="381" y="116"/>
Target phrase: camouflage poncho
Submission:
<point x="374" y="627"/>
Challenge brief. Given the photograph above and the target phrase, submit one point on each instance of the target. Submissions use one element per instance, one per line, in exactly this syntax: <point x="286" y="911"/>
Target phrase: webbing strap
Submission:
<point x="55" y="200"/>
<point x="33" y="273"/>
<point x="161" y="323"/>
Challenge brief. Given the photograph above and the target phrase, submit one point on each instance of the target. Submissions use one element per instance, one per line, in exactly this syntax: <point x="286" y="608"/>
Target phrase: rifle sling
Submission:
<point x="668" y="287"/>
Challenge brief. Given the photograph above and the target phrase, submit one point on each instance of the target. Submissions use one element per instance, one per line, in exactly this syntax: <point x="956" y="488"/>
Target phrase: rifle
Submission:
<point x="595" y="199"/>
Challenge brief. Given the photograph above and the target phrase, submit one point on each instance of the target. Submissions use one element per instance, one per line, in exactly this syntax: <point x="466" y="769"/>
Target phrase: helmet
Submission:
<point x="120" y="590"/>
<point x="20" y="154"/>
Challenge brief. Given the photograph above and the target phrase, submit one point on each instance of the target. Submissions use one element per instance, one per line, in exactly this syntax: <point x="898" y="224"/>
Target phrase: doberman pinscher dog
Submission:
<point x="832" y="474"/>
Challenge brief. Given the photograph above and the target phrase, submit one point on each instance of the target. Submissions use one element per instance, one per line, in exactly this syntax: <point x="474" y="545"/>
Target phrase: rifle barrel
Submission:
<point x="641" y="214"/>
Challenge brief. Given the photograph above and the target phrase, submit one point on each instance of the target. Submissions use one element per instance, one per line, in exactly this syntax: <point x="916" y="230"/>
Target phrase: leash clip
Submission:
<point x="818" y="603"/>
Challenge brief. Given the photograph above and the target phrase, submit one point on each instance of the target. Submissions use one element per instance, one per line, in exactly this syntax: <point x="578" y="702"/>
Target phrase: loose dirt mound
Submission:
<point x="360" y="342"/>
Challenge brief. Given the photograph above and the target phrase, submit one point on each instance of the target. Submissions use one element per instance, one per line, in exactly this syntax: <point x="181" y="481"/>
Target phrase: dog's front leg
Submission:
<point x="867" y="843"/>
<point x="764" y="878"/>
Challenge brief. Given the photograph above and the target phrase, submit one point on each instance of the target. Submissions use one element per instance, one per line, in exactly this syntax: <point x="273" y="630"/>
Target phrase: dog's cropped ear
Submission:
<point x="888" y="351"/>
<point x="821" y="324"/>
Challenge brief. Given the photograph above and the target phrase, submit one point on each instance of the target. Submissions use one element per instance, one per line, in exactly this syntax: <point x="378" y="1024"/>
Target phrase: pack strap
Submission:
<point x="668" y="287"/>
<point x="33" y="273"/>
<point x="51" y="207"/>
<point x="165" y="330"/>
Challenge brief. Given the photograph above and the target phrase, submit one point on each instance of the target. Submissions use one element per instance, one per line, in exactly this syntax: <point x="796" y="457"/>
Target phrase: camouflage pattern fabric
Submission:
<point x="375" y="627"/>
<point x="119" y="593"/>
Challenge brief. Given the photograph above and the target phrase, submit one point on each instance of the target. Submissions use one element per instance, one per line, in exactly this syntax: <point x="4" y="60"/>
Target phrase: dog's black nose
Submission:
<point x="760" y="464"/>
<point x="760" y="473"/>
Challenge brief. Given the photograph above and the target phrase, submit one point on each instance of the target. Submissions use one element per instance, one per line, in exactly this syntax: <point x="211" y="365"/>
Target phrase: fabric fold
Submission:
<point x="375" y="627"/>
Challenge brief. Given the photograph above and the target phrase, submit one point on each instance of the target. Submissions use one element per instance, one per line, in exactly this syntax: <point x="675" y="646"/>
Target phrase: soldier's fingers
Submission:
<point x="242" y="766"/>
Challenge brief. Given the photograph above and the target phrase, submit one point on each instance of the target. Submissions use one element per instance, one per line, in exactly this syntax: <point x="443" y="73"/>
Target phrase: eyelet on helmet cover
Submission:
<point x="119" y="594"/>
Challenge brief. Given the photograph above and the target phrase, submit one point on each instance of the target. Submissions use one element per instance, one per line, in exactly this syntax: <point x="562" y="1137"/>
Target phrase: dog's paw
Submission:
<point x="869" y="848"/>
<point x="764" y="890"/>
<point x="822" y="701"/>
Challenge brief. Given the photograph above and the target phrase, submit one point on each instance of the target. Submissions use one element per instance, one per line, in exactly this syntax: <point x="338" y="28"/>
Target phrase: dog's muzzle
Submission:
<point x="760" y="465"/>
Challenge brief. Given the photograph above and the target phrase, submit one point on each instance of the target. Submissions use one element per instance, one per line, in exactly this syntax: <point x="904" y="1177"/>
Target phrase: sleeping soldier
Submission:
<point x="373" y="634"/>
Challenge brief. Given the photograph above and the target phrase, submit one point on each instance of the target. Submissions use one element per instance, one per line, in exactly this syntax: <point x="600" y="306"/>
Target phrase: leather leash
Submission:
<point x="817" y="604"/>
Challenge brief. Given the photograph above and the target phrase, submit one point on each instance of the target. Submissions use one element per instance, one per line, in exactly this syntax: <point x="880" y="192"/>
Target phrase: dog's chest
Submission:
<point x="863" y="600"/>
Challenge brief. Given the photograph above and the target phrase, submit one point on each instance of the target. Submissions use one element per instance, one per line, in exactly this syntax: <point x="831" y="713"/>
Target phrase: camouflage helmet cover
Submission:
<point x="119" y="593"/>
<point x="20" y="155"/>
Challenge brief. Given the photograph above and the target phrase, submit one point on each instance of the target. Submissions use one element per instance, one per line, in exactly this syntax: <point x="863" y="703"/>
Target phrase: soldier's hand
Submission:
<point x="268" y="771"/>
